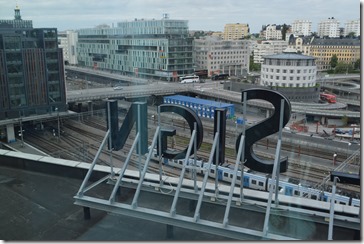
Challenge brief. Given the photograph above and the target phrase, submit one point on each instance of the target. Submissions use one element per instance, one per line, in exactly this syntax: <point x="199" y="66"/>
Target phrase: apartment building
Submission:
<point x="31" y="69"/>
<point x="274" y="32"/>
<point x="67" y="41"/>
<point x="153" y="49"/>
<point x="236" y="31"/>
<point x="302" y="27"/>
<point x="329" y="28"/>
<point x="301" y="43"/>
<point x="265" y="48"/>
<point x="220" y="56"/>
<point x="352" y="26"/>
<point x="347" y="51"/>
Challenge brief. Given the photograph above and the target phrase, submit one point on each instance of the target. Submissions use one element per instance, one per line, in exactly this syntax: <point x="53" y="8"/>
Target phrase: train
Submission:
<point x="259" y="182"/>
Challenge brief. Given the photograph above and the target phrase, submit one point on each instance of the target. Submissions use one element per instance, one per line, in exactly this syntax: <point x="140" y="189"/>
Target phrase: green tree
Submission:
<point x="342" y="67"/>
<point x="357" y="64"/>
<point x="333" y="61"/>
<point x="284" y="31"/>
<point x="351" y="35"/>
<point x="253" y="66"/>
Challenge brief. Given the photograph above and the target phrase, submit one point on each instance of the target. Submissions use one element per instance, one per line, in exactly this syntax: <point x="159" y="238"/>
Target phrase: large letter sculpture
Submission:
<point x="264" y="128"/>
<point x="191" y="118"/>
<point x="119" y="136"/>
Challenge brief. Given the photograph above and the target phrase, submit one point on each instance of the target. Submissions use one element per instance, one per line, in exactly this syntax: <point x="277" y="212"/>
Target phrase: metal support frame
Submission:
<point x="200" y="193"/>
<point x="175" y="199"/>
<point x="274" y="174"/>
<point x="332" y="209"/>
<point x="242" y="158"/>
<point x="196" y="217"/>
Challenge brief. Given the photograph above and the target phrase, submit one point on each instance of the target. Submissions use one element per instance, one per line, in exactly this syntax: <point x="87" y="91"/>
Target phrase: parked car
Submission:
<point x="118" y="88"/>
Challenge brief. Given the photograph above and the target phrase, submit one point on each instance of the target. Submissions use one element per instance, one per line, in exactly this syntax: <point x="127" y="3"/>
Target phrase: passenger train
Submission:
<point x="261" y="182"/>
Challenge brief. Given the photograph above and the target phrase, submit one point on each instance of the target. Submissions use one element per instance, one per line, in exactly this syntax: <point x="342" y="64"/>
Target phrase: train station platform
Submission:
<point x="39" y="195"/>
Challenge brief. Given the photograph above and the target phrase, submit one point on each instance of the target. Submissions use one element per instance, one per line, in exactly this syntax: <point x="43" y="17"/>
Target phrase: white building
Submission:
<point x="268" y="48"/>
<point x="329" y="28"/>
<point x="302" y="27"/>
<point x="274" y="32"/>
<point x="352" y="26"/>
<point x="288" y="69"/>
<point x="220" y="56"/>
<point x="68" y="41"/>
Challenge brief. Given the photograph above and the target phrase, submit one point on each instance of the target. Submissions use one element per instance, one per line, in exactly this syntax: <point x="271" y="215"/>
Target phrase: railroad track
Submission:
<point x="90" y="133"/>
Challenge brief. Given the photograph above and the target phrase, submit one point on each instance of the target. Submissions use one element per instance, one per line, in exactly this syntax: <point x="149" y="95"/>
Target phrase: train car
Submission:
<point x="202" y="107"/>
<point x="262" y="182"/>
<point x="252" y="181"/>
<point x="355" y="202"/>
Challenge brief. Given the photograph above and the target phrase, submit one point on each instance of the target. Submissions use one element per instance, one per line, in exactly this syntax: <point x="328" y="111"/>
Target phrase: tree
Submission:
<point x="357" y="64"/>
<point x="333" y="61"/>
<point x="253" y="66"/>
<point x="284" y="31"/>
<point x="351" y="35"/>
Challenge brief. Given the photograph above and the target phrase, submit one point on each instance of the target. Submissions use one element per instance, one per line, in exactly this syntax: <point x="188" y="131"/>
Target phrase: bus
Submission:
<point x="330" y="98"/>
<point x="220" y="77"/>
<point x="189" y="79"/>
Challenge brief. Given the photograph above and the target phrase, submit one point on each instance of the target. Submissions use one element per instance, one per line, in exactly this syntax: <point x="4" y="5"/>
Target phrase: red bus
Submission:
<point x="330" y="98"/>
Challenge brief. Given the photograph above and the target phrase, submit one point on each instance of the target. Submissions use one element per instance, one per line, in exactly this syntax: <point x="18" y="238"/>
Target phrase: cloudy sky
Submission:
<point x="201" y="14"/>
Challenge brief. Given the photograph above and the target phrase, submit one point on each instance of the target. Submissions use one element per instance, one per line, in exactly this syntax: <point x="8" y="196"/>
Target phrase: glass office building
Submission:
<point x="31" y="70"/>
<point x="151" y="49"/>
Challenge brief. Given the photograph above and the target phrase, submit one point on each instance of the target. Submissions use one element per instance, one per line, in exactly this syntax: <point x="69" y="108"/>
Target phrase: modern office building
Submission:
<point x="302" y="27"/>
<point x="352" y="26"/>
<point x="153" y="49"/>
<point x="31" y="69"/>
<point x="67" y="41"/>
<point x="219" y="56"/>
<point x="291" y="73"/>
<point x="236" y="31"/>
<point x="328" y="28"/>
<point x="347" y="51"/>
<point x="265" y="48"/>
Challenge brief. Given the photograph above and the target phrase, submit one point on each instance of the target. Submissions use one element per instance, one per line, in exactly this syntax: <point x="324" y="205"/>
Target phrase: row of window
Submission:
<point x="267" y="83"/>
<point x="291" y="71"/>
<point x="292" y="78"/>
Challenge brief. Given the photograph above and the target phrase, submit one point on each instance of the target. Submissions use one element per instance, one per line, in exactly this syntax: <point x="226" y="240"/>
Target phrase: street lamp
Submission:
<point x="347" y="151"/>
<point x="59" y="134"/>
<point x="334" y="159"/>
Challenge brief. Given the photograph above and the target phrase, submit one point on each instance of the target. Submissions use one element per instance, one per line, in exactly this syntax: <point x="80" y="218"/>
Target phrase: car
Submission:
<point x="118" y="88"/>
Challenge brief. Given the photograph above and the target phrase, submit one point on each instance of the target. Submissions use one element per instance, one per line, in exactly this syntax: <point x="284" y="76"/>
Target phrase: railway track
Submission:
<point x="82" y="140"/>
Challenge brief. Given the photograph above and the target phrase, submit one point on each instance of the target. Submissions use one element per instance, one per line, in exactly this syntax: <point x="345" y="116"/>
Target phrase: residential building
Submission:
<point x="264" y="48"/>
<point x="329" y="28"/>
<point x="219" y="34"/>
<point x="289" y="72"/>
<point x="67" y="40"/>
<point x="302" y="27"/>
<point x="347" y="50"/>
<point x="275" y="32"/>
<point x="352" y="26"/>
<point x="152" y="49"/>
<point x="236" y="31"/>
<point x="301" y="43"/>
<point x="220" y="56"/>
<point x="31" y="70"/>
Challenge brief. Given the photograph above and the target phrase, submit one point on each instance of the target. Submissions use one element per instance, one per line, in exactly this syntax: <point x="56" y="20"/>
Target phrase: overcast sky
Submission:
<point x="201" y="14"/>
